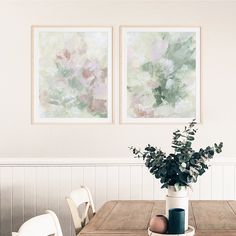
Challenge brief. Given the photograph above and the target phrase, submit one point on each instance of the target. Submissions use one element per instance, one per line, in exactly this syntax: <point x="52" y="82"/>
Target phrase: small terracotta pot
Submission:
<point x="158" y="224"/>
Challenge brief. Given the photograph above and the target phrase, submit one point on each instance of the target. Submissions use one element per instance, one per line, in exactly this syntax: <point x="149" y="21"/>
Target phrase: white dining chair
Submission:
<point x="42" y="225"/>
<point x="81" y="206"/>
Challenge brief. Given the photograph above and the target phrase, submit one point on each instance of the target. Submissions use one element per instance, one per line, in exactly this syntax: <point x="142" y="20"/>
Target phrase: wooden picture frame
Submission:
<point x="72" y="71"/>
<point x="160" y="74"/>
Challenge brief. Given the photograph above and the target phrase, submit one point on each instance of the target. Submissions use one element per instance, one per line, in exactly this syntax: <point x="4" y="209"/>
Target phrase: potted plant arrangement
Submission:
<point x="178" y="170"/>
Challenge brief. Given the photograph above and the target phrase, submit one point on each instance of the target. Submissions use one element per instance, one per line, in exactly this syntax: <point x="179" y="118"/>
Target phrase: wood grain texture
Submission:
<point x="126" y="215"/>
<point x="213" y="215"/>
<point x="99" y="217"/>
<point x="232" y="204"/>
<point x="209" y="218"/>
<point x="215" y="233"/>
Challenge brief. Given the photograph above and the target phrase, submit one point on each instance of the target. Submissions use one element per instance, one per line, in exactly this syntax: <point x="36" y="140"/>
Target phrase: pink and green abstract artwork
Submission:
<point x="161" y="73"/>
<point x="72" y="74"/>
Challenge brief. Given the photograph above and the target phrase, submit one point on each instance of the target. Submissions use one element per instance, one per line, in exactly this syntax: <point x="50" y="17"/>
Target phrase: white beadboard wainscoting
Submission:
<point x="30" y="186"/>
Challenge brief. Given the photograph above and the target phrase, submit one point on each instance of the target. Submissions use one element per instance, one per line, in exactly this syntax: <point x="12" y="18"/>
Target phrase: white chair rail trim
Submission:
<point x="57" y="162"/>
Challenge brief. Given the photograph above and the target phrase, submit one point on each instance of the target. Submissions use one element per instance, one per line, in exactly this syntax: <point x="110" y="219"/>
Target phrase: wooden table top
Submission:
<point x="119" y="218"/>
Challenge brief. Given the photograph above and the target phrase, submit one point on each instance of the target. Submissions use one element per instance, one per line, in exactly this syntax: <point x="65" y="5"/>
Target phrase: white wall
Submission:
<point x="18" y="138"/>
<point x="28" y="189"/>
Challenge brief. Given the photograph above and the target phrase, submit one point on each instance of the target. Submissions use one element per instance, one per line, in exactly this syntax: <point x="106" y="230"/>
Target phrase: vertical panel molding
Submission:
<point x="31" y="186"/>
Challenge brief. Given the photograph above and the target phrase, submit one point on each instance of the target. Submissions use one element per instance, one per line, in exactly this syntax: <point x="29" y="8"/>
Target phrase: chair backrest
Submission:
<point x="42" y="225"/>
<point x="81" y="217"/>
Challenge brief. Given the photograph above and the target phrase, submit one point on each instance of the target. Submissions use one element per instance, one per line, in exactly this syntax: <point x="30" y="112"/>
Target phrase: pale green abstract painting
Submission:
<point x="72" y="75"/>
<point x="161" y="74"/>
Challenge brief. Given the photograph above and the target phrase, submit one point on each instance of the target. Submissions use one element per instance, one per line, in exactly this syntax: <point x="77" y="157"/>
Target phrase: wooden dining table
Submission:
<point x="131" y="218"/>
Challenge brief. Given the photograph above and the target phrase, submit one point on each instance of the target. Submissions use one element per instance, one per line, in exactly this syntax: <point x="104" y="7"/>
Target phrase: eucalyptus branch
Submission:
<point x="182" y="167"/>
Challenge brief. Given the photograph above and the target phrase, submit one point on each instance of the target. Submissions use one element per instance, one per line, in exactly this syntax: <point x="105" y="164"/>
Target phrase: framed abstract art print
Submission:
<point x="72" y="74"/>
<point x="160" y="74"/>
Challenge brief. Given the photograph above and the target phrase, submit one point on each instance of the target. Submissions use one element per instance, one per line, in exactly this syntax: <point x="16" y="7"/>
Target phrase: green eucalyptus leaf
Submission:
<point x="189" y="179"/>
<point x="190" y="138"/>
<point x="184" y="165"/>
<point x="182" y="169"/>
<point x="164" y="185"/>
<point x="163" y="171"/>
<point x="192" y="161"/>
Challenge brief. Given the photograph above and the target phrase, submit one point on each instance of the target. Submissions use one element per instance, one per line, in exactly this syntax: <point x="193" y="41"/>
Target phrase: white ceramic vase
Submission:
<point x="178" y="199"/>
